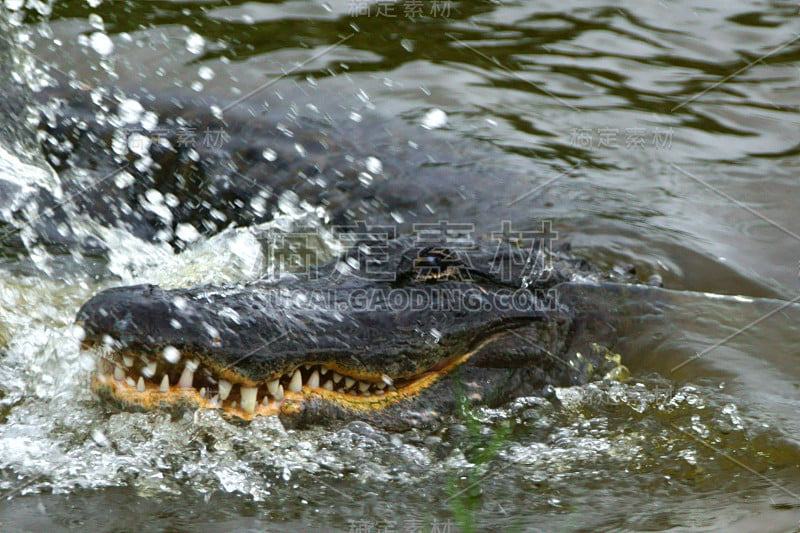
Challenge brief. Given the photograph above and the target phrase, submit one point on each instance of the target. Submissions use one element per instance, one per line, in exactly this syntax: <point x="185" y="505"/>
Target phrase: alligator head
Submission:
<point x="390" y="330"/>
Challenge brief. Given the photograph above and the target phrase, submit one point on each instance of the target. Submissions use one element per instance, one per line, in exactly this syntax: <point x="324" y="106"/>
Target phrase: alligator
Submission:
<point x="391" y="332"/>
<point x="440" y="325"/>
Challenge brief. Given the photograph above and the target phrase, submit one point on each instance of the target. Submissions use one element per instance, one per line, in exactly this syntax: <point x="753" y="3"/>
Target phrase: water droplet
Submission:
<point x="172" y="355"/>
<point x="96" y="21"/>
<point x="139" y="144"/>
<point x="100" y="43"/>
<point x="195" y="43"/>
<point x="130" y="111"/>
<point x="269" y="154"/>
<point x="124" y="179"/>
<point x="206" y="73"/>
<point x="186" y="233"/>
<point x="14" y="5"/>
<point x="374" y="165"/>
<point x="149" y="121"/>
<point x="435" y="118"/>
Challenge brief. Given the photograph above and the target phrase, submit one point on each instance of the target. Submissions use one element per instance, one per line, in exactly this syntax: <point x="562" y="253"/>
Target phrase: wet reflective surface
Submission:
<point x="658" y="135"/>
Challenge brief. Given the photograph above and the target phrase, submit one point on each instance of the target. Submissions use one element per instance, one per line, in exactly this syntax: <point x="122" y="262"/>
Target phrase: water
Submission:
<point x="662" y="135"/>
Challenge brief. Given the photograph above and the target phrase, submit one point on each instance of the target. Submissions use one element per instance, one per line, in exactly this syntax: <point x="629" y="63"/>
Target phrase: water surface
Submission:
<point x="659" y="135"/>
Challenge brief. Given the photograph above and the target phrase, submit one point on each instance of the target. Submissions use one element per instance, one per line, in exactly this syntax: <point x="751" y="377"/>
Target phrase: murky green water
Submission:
<point x="662" y="135"/>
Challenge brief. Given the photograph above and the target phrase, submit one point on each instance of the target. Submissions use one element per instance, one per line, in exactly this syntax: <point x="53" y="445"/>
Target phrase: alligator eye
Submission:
<point x="437" y="264"/>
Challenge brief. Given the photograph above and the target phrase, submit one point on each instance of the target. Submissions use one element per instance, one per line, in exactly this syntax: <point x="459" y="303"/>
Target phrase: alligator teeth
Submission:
<point x="249" y="398"/>
<point x="187" y="378"/>
<point x="218" y="392"/>
<point x="224" y="389"/>
<point x="150" y="370"/>
<point x="296" y="384"/>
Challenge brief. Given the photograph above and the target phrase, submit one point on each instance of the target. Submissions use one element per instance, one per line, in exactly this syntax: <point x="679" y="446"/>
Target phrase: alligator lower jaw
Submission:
<point x="149" y="382"/>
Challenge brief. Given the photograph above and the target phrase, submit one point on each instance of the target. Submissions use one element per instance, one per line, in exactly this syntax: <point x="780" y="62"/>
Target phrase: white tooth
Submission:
<point x="128" y="360"/>
<point x="249" y="398"/>
<point x="363" y="386"/>
<point x="323" y="371"/>
<point x="233" y="404"/>
<point x="279" y="393"/>
<point x="328" y="385"/>
<point x="313" y="381"/>
<point x="380" y="392"/>
<point x="272" y="386"/>
<point x="203" y="392"/>
<point x="337" y="377"/>
<point x="119" y="373"/>
<point x="130" y="382"/>
<point x="187" y="378"/>
<point x="366" y="394"/>
<point x="266" y="399"/>
<point x="192" y="364"/>
<point x="140" y="384"/>
<point x="348" y="382"/>
<point x="150" y="370"/>
<point x="386" y="379"/>
<point x="215" y="401"/>
<point x="380" y="385"/>
<point x="224" y="389"/>
<point x="296" y="384"/>
<point x="164" y="384"/>
<point x="307" y="367"/>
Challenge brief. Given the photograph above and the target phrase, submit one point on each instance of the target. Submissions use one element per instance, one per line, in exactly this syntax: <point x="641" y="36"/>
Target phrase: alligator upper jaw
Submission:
<point x="171" y="379"/>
